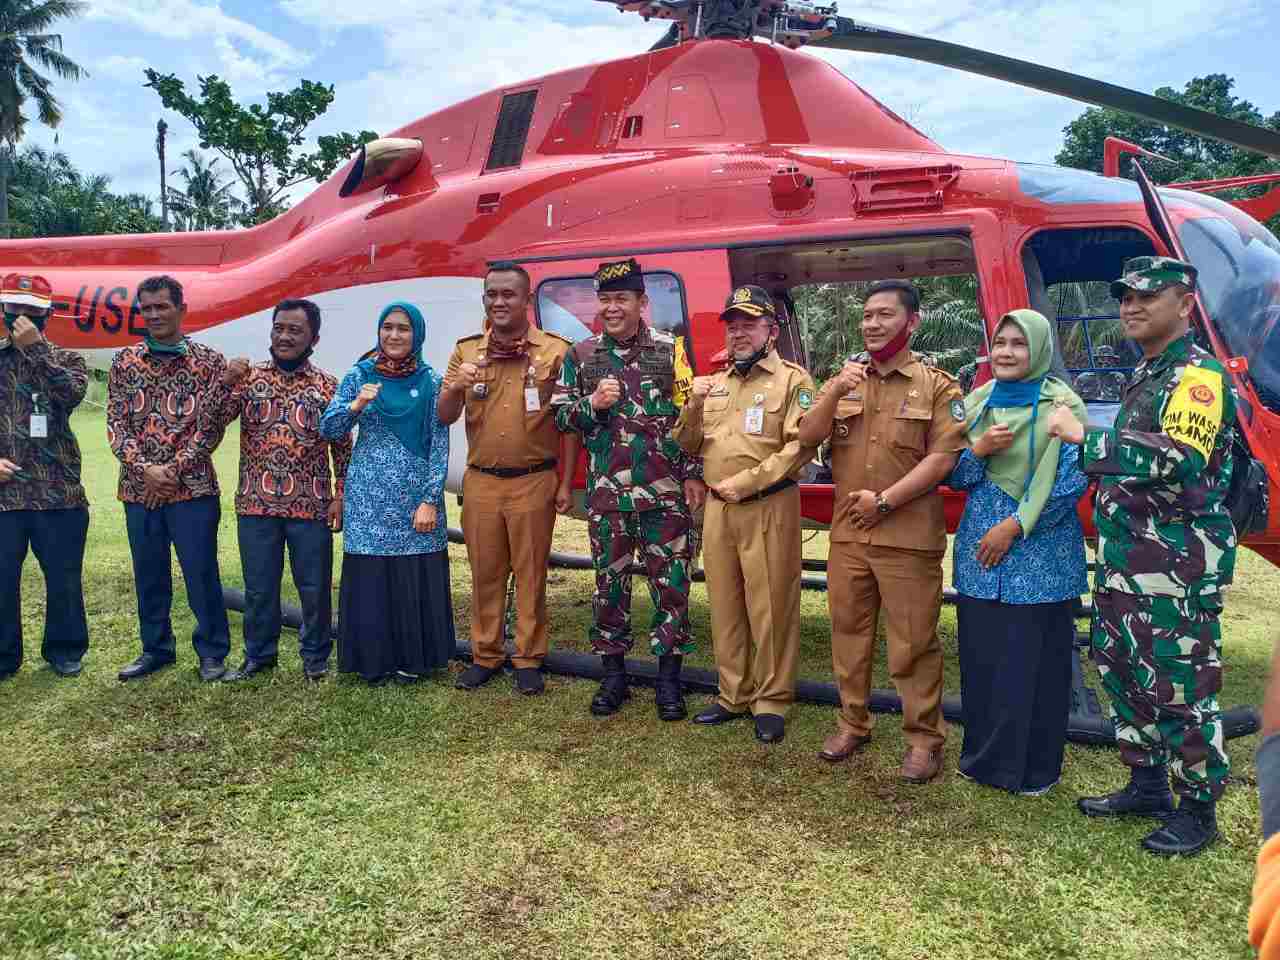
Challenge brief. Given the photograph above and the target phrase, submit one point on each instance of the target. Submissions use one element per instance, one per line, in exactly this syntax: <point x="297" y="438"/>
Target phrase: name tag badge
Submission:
<point x="754" y="422"/>
<point x="39" y="426"/>
<point x="532" y="401"/>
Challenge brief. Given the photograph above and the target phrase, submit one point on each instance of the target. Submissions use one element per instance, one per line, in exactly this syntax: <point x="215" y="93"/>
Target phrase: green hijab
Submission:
<point x="1026" y="470"/>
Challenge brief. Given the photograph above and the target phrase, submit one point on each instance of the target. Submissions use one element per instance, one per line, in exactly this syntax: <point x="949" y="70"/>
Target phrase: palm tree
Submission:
<point x="25" y="45"/>
<point x="206" y="202"/>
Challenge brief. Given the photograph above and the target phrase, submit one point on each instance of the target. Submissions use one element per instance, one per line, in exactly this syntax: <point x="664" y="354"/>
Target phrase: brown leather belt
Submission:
<point x="509" y="473"/>
<point x="766" y="492"/>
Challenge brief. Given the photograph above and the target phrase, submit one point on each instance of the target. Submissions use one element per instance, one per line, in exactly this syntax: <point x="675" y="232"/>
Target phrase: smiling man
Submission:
<point x="287" y="495"/>
<point x="896" y="426"/>
<point x="622" y="391"/>
<point x="1166" y="552"/>
<point x="160" y="427"/>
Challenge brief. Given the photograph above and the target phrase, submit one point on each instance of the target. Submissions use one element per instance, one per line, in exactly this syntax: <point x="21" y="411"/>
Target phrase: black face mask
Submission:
<point x="288" y="366"/>
<point x="11" y="318"/>
<point x="744" y="366"/>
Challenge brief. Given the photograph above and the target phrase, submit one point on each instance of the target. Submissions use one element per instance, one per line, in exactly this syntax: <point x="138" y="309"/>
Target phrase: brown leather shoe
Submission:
<point x="920" y="765"/>
<point x="842" y="744"/>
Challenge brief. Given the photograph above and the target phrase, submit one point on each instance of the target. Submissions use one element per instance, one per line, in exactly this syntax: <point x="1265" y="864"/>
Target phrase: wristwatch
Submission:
<point x="882" y="505"/>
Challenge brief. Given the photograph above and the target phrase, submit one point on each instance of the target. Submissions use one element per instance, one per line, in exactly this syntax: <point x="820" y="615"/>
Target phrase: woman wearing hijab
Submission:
<point x="395" y="616"/>
<point x="1019" y="564"/>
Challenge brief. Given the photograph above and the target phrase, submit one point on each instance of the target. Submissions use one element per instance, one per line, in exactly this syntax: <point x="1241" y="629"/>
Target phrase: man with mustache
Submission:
<point x="285" y="496"/>
<point x="744" y="422"/>
<point x="160" y="429"/>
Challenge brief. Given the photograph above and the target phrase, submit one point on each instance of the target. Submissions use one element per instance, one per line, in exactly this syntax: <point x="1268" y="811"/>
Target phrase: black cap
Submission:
<point x="619" y="275"/>
<point x="750" y="300"/>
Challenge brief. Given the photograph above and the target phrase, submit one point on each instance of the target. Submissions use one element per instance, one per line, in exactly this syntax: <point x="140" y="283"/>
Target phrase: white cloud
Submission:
<point x="128" y="69"/>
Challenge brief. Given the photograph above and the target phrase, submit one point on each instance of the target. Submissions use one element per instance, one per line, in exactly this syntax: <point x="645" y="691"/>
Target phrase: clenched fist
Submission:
<point x="1065" y="424"/>
<point x="464" y="378"/>
<point x="701" y="387"/>
<point x="606" y="393"/>
<point x="368" y="393"/>
<point x="998" y="438"/>
<point x="850" y="377"/>
<point x="25" y="333"/>
<point x="236" y="371"/>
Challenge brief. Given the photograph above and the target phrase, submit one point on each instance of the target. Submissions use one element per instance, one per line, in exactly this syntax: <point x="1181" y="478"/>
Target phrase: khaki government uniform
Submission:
<point x="507" y="521"/>
<point x="881" y="431"/>
<point x="751" y="551"/>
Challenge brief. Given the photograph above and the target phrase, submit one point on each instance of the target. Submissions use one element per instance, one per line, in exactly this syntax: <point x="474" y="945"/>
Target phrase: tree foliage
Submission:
<point x="1190" y="157"/>
<point x="205" y="201"/>
<point x="263" y="143"/>
<point x="51" y="198"/>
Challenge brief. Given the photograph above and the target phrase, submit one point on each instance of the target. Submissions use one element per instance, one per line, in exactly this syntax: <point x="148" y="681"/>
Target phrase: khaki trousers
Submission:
<point x="908" y="583"/>
<point x="751" y="557"/>
<point x="507" y="524"/>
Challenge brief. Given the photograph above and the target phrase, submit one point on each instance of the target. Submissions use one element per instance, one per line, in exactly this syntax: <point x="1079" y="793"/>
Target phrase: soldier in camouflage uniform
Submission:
<point x="622" y="390"/>
<point x="1166" y="552"/>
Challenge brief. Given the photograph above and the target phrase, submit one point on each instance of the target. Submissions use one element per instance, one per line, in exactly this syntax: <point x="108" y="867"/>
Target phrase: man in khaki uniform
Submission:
<point x="504" y="378"/>
<point x="744" y="424"/>
<point x="896" y="427"/>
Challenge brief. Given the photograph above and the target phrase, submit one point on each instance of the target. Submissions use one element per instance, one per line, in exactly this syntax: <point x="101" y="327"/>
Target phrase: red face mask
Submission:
<point x="894" y="346"/>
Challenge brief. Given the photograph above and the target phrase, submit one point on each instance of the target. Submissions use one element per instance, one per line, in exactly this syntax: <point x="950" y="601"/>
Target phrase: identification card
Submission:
<point x="39" y="426"/>
<point x="532" y="401"/>
<point x="754" y="424"/>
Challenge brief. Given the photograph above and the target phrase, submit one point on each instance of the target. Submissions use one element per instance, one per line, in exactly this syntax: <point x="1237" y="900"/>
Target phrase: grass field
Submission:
<point x="167" y="818"/>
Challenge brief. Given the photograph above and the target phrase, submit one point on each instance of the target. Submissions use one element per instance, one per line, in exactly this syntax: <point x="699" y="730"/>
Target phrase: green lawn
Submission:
<point x="167" y="818"/>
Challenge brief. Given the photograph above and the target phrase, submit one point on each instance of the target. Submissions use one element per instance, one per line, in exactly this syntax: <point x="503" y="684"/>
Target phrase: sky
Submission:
<point x="392" y="61"/>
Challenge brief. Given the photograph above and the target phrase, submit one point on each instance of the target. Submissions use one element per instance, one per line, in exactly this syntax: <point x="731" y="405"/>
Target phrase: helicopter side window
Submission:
<point x="1069" y="274"/>
<point x="568" y="306"/>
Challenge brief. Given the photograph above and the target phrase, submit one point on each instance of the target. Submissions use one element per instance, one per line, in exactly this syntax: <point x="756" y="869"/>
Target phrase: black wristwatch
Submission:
<point x="883" y="505"/>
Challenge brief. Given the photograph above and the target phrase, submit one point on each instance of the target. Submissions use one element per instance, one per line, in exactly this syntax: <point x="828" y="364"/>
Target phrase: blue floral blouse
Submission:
<point x="385" y="482"/>
<point x="1046" y="567"/>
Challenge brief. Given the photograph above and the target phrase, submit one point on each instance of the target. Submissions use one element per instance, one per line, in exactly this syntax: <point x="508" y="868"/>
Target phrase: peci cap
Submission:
<point x="30" y="290"/>
<point x="1153" y="274"/>
<point x="750" y="300"/>
<point x="619" y="275"/>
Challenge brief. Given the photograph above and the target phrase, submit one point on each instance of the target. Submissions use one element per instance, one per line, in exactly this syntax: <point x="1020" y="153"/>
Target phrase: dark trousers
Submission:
<point x="262" y="543"/>
<point x="57" y="538"/>
<point x="191" y="528"/>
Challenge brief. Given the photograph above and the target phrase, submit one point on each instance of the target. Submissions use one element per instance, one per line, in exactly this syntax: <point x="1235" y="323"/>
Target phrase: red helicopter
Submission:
<point x="715" y="159"/>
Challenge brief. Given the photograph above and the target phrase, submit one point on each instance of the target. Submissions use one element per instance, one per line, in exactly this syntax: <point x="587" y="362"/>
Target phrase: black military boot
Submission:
<point x="668" y="693"/>
<point x="1147" y="794"/>
<point x="613" y="688"/>
<point x="1188" y="831"/>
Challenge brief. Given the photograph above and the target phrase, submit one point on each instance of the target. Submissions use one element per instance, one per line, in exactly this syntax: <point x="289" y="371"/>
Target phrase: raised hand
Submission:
<point x="997" y="438"/>
<point x="850" y="377"/>
<point x="368" y="393"/>
<point x="606" y="393"/>
<point x="1065" y="424"/>
<point x="236" y="371"/>
<point x="701" y="387"/>
<point x="25" y="333"/>
<point x="464" y="378"/>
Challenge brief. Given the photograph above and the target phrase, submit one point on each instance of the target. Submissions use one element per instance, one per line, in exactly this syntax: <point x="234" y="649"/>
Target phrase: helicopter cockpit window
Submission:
<point x="568" y="306"/>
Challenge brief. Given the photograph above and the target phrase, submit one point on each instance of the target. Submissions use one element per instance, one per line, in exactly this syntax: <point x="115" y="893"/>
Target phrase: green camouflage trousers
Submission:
<point x="662" y="539"/>
<point x="1160" y="662"/>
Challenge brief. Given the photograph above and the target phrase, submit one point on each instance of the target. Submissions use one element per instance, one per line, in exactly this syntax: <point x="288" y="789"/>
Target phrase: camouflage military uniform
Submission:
<point x="1166" y="551"/>
<point x="635" y="481"/>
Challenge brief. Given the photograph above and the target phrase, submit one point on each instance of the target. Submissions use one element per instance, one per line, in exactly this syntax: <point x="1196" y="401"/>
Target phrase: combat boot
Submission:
<point x="1188" y="831"/>
<point x="1147" y="794"/>
<point x="613" y="687"/>
<point x="668" y="693"/>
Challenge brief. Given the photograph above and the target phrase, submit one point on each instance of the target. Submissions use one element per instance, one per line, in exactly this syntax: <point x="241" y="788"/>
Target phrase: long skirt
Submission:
<point x="395" y="614"/>
<point x="1015" y="688"/>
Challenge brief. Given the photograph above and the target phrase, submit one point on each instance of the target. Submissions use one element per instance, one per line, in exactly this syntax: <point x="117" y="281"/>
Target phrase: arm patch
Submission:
<point x="1194" y="413"/>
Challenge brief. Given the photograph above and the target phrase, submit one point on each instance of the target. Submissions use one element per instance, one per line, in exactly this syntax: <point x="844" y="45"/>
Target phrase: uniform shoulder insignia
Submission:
<point x="944" y="374"/>
<point x="794" y="366"/>
<point x="474" y="336"/>
<point x="556" y="336"/>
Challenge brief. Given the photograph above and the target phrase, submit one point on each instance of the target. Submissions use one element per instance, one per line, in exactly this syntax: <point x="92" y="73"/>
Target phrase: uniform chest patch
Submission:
<point x="720" y="391"/>
<point x="842" y="429"/>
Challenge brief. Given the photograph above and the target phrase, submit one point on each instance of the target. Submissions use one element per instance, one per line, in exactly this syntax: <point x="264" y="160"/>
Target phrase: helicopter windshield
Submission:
<point x="1239" y="264"/>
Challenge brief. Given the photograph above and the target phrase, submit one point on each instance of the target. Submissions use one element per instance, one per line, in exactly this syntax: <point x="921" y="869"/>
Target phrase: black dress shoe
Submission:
<point x="770" y="728"/>
<point x="1187" y="832"/>
<point x="315" y="670"/>
<point x="718" y="714"/>
<point x="1135" y="800"/>
<point x="249" y="668"/>
<point x="65" y="668"/>
<point x="211" y="669"/>
<point x="476" y="676"/>
<point x="529" y="681"/>
<point x="146" y="664"/>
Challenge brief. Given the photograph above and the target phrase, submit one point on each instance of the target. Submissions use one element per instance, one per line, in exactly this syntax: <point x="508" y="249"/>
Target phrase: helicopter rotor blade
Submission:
<point x="869" y="38"/>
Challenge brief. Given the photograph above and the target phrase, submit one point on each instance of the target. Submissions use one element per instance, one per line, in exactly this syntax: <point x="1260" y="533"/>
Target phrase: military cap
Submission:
<point x="30" y="290"/>
<point x="619" y="275"/>
<point x="1153" y="274"/>
<point x="750" y="300"/>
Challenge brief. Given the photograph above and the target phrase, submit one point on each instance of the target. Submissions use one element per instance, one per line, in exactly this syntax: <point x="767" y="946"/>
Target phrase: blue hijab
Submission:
<point x="406" y="400"/>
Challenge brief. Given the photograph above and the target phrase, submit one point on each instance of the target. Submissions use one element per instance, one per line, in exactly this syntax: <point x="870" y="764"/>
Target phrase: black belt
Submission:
<point x="508" y="473"/>
<point x="766" y="492"/>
